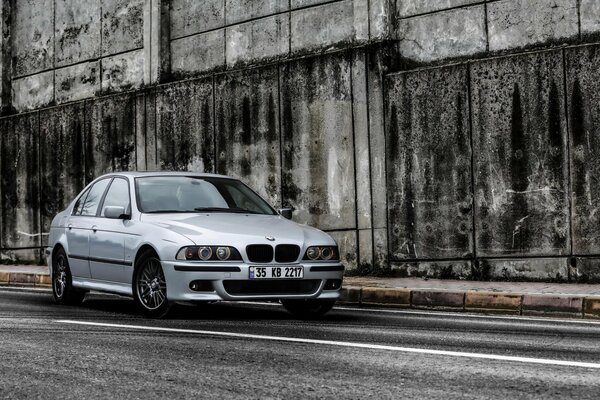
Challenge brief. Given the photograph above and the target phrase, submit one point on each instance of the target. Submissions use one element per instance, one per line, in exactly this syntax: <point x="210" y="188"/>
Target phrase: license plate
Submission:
<point x="276" y="273"/>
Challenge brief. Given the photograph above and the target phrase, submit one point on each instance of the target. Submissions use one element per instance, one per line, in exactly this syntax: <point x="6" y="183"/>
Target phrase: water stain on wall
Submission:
<point x="247" y="135"/>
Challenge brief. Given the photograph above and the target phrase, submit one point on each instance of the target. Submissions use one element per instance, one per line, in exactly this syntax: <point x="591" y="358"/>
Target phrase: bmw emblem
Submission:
<point x="270" y="238"/>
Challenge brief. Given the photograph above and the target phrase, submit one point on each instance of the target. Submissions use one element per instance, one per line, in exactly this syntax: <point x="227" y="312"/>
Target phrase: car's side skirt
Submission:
<point x="103" y="286"/>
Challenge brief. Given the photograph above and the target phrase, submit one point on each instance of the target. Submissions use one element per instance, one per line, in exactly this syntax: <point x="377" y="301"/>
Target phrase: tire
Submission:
<point x="308" y="309"/>
<point x="62" y="281"/>
<point x="150" y="287"/>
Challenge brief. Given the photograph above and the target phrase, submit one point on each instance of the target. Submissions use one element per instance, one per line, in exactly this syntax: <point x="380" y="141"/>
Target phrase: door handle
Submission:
<point x="94" y="228"/>
<point x="70" y="226"/>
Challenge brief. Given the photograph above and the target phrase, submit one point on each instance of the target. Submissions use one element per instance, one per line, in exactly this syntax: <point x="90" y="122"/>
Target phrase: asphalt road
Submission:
<point x="104" y="349"/>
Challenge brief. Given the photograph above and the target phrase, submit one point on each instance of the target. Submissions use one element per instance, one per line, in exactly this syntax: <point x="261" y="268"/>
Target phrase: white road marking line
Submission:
<point x="342" y="344"/>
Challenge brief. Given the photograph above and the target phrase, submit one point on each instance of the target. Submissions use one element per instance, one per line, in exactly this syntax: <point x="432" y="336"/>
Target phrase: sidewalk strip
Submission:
<point x="542" y="361"/>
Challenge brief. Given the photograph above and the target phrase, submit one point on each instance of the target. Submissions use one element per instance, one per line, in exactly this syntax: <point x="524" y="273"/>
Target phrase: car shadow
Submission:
<point x="219" y="311"/>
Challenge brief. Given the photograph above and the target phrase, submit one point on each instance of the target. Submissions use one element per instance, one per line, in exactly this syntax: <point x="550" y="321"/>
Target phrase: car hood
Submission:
<point x="238" y="229"/>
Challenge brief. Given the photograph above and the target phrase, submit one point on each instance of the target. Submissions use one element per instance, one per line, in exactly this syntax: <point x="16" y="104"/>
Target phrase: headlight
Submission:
<point x="205" y="253"/>
<point x="223" y="253"/>
<point x="322" y="253"/>
<point x="209" y="253"/>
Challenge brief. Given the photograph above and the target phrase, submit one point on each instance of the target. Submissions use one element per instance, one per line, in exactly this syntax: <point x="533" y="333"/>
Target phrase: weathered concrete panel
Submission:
<point x="455" y="33"/>
<point x="583" y="94"/>
<point x="141" y="124"/>
<point x="380" y="19"/>
<point x="184" y="118"/>
<point x="407" y="8"/>
<point x="330" y="25"/>
<point x="361" y="140"/>
<point x="6" y="60"/>
<point x="33" y="91"/>
<point x="208" y="54"/>
<point x="243" y="10"/>
<point x="149" y="117"/>
<point x="247" y="130"/>
<point x="429" y="161"/>
<point x="433" y="269"/>
<point x="32" y="36"/>
<point x="77" y="82"/>
<point x="123" y="72"/>
<point x="261" y="40"/>
<point x="19" y="170"/>
<point x="122" y="25"/>
<point x="77" y="31"/>
<point x="518" y="23"/>
<point x="377" y="159"/>
<point x="380" y="249"/>
<point x="193" y="16"/>
<point x="318" y="162"/>
<point x="62" y="159"/>
<point x="590" y="18"/>
<point x="110" y="135"/>
<point x="536" y="269"/>
<point x="520" y="155"/>
<point x="347" y="245"/>
<point x="365" y="250"/>
<point x="306" y="3"/>
<point x="586" y="270"/>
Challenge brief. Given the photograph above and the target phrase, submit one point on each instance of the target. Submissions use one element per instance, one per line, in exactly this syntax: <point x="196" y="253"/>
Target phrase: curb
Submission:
<point x="475" y="301"/>
<point x="25" y="279"/>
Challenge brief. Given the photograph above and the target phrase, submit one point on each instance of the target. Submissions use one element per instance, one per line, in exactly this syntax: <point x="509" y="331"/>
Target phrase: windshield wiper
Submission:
<point x="224" y="209"/>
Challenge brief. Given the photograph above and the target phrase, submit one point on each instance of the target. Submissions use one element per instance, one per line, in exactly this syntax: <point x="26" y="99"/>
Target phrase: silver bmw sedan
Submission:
<point x="166" y="237"/>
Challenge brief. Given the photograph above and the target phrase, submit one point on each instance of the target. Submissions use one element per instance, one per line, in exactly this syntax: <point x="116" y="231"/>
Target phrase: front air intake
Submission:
<point x="271" y="287"/>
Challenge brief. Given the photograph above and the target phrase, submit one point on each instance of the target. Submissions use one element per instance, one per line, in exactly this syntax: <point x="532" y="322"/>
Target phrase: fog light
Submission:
<point x="201" y="286"/>
<point x="333" y="284"/>
<point x="204" y="253"/>
<point x="223" y="253"/>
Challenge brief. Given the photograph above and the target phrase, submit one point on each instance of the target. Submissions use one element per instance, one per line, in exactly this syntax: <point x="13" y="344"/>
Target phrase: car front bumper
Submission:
<point x="180" y="274"/>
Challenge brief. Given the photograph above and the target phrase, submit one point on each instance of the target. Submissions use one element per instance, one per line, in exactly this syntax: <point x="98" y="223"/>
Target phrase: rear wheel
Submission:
<point x="62" y="281"/>
<point x="308" y="309"/>
<point x="150" y="286"/>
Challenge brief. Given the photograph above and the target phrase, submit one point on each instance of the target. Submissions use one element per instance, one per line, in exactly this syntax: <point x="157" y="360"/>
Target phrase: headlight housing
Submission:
<point x="322" y="253"/>
<point x="208" y="253"/>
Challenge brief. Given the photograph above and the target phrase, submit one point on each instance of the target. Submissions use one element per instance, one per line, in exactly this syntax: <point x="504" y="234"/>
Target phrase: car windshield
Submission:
<point x="184" y="194"/>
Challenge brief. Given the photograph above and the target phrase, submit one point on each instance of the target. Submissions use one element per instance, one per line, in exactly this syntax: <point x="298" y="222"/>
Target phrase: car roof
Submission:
<point x="137" y="174"/>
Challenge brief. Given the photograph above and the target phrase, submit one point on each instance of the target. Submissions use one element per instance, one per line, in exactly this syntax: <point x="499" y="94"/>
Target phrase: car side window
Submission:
<point x="90" y="207"/>
<point x="79" y="203"/>
<point x="117" y="195"/>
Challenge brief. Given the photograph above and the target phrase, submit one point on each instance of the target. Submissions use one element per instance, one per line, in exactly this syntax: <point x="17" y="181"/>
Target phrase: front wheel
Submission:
<point x="308" y="309"/>
<point x="62" y="281"/>
<point x="150" y="286"/>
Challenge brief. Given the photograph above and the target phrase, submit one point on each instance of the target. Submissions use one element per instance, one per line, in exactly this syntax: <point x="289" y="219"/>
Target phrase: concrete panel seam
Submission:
<point x="224" y="26"/>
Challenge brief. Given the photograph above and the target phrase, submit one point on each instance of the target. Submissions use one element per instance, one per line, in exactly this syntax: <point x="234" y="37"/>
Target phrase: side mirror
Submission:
<point x="286" y="212"/>
<point x="114" y="212"/>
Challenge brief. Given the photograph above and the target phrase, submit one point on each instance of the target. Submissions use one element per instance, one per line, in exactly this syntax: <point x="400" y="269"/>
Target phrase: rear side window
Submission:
<point x="117" y="195"/>
<point x="90" y="207"/>
<point x="79" y="204"/>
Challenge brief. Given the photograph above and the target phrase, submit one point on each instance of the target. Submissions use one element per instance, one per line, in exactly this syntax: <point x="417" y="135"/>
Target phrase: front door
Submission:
<point x="107" y="237"/>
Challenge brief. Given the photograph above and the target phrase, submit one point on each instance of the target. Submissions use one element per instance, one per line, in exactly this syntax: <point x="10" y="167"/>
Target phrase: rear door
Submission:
<point x="79" y="226"/>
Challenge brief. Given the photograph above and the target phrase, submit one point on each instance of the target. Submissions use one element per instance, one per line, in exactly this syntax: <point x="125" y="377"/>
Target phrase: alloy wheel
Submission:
<point x="151" y="285"/>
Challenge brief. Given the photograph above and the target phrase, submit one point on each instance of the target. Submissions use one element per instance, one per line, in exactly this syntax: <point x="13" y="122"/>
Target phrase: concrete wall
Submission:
<point x="441" y="138"/>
